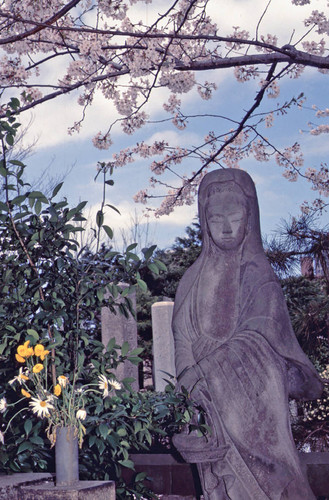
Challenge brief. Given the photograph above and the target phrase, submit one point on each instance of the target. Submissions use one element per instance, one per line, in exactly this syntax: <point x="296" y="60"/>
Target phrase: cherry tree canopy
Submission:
<point x="102" y="46"/>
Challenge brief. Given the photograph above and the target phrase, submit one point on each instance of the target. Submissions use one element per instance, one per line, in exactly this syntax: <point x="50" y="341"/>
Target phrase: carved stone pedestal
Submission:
<point x="41" y="486"/>
<point x="83" y="490"/>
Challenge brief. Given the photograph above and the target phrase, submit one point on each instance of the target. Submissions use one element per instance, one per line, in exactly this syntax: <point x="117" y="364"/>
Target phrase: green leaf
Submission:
<point x="121" y="432"/>
<point x="131" y="247"/>
<point x="28" y="427"/>
<point x="104" y="430"/>
<point x="108" y="231"/>
<point x="3" y="207"/>
<point x="37" y="440"/>
<point x="160" y="265"/>
<point x="113" y="208"/>
<point x="100" y="294"/>
<point x="99" y="218"/>
<point x="153" y="267"/>
<point x="18" y="199"/>
<point x="57" y="189"/>
<point x="26" y="445"/>
<point x="140" y="476"/>
<point x="125" y="348"/>
<point x="111" y="343"/>
<point x="33" y="333"/>
<point x="127" y="463"/>
<point x="148" y="251"/>
<point x="10" y="139"/>
<point x="38" y="207"/>
<point x="17" y="163"/>
<point x="142" y="285"/>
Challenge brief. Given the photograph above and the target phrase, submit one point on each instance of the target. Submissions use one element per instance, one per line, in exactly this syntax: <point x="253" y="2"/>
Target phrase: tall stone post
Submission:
<point x="163" y="344"/>
<point x="124" y="330"/>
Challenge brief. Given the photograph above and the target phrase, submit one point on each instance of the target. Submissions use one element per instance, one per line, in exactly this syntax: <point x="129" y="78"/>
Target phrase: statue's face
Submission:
<point x="227" y="220"/>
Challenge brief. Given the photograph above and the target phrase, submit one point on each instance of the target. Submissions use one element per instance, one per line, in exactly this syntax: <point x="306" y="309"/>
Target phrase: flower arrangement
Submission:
<point x="63" y="403"/>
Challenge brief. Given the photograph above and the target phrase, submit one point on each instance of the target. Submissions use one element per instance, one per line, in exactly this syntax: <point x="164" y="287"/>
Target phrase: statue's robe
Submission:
<point x="237" y="354"/>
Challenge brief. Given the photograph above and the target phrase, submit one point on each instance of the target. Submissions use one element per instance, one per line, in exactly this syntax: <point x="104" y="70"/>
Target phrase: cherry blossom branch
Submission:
<point x="38" y="26"/>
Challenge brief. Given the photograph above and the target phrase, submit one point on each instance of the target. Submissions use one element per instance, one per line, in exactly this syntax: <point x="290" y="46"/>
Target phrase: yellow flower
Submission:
<point x="19" y="358"/>
<point x="25" y="393"/>
<point x="44" y="354"/>
<point x="21" y="350"/>
<point x="57" y="390"/>
<point x="37" y="368"/>
<point x="62" y="380"/>
<point x="38" y="350"/>
<point x="24" y="351"/>
<point x="29" y="352"/>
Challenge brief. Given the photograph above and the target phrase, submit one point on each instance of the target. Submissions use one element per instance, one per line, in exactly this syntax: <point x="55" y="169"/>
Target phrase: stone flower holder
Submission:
<point x="66" y="457"/>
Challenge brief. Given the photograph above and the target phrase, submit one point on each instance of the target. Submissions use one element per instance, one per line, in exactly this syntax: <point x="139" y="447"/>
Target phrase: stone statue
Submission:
<point x="237" y="354"/>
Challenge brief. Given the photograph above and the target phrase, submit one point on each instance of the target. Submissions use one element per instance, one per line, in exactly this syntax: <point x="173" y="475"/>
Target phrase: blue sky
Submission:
<point x="76" y="157"/>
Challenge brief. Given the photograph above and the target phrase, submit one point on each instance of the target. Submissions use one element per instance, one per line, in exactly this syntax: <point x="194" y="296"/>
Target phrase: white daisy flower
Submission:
<point x="115" y="384"/>
<point x="41" y="407"/>
<point x="81" y="414"/>
<point x="21" y="377"/>
<point x="103" y="384"/>
<point x="3" y="405"/>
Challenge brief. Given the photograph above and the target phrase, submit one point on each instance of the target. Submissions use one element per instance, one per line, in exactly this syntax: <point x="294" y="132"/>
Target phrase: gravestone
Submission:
<point x="124" y="330"/>
<point x="237" y="355"/>
<point x="163" y="344"/>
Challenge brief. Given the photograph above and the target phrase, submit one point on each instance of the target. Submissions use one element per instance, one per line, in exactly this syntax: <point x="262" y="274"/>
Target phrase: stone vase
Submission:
<point x="66" y="457"/>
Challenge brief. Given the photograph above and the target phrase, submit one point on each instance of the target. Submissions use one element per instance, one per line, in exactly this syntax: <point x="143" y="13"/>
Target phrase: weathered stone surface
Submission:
<point x="124" y="330"/>
<point x="9" y="484"/>
<point x="163" y="344"/>
<point x="237" y="354"/>
<point x="84" y="490"/>
<point x="41" y="486"/>
<point x="316" y="466"/>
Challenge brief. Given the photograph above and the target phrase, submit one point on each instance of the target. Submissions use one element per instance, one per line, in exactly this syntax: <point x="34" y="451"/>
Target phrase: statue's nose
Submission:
<point x="227" y="226"/>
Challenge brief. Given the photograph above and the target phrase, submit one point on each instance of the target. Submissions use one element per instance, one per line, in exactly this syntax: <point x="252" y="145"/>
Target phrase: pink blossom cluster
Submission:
<point x="316" y="205"/>
<point x="115" y="9"/>
<point x="244" y="74"/>
<point x="141" y="196"/>
<point x="272" y="90"/>
<point x="319" y="179"/>
<point x="206" y="90"/>
<point x="322" y="112"/>
<point x="320" y="129"/>
<point x="100" y="45"/>
<point x="320" y="20"/>
<point x="102" y="141"/>
<point x="178" y="82"/>
<point x="269" y="40"/>
<point x="292" y="159"/>
<point x="269" y="120"/>
<point x="237" y="34"/>
<point x="300" y="2"/>
<point x="259" y="151"/>
<point x="134" y="122"/>
<point x="313" y="47"/>
<point x="173" y="104"/>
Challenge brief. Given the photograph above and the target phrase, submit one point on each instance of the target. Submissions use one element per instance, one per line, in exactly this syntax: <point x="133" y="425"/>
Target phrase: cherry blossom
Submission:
<point x="111" y="49"/>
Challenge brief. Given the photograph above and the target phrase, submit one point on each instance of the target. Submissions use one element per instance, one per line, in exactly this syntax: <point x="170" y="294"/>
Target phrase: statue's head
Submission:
<point x="228" y="211"/>
<point x="226" y="214"/>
